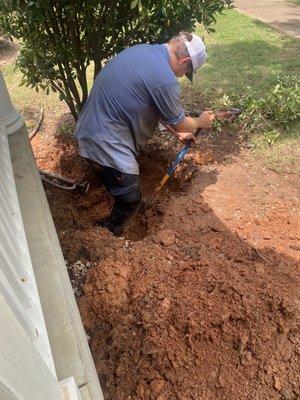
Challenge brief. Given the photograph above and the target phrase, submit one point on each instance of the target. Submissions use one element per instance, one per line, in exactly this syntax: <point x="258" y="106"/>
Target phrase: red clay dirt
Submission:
<point x="200" y="299"/>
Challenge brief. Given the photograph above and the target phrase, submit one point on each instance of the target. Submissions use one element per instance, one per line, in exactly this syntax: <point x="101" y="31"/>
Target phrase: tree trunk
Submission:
<point x="97" y="66"/>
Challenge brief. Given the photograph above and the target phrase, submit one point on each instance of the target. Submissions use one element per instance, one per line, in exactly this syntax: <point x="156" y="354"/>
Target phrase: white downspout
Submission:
<point x="10" y="117"/>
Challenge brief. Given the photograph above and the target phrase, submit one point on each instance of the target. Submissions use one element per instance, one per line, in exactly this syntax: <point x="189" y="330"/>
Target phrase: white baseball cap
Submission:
<point x="197" y="53"/>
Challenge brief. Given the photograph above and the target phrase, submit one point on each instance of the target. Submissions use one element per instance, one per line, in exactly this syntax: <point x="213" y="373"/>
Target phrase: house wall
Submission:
<point x="23" y="373"/>
<point x="68" y="343"/>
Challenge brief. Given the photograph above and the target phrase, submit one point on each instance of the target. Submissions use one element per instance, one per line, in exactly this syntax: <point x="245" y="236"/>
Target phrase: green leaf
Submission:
<point x="133" y="4"/>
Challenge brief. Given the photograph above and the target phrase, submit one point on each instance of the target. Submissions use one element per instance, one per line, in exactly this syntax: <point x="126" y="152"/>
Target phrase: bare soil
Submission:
<point x="200" y="298"/>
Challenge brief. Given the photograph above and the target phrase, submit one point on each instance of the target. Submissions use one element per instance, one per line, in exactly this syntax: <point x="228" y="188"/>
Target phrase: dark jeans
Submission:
<point x="125" y="189"/>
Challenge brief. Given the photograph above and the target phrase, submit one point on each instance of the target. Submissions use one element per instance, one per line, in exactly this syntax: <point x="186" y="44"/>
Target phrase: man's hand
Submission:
<point x="206" y="119"/>
<point x="186" y="136"/>
<point x="190" y="124"/>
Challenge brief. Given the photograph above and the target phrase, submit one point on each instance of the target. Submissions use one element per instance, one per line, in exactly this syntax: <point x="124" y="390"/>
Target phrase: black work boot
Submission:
<point x="121" y="215"/>
<point x="114" y="229"/>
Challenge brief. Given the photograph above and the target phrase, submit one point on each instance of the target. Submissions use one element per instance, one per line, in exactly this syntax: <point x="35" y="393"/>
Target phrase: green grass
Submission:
<point x="245" y="52"/>
<point x="27" y="100"/>
<point x="297" y="2"/>
<point x="283" y="157"/>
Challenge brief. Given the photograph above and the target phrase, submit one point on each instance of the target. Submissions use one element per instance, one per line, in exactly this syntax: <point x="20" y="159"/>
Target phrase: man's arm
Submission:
<point x="167" y="102"/>
<point x="189" y="124"/>
<point x="185" y="129"/>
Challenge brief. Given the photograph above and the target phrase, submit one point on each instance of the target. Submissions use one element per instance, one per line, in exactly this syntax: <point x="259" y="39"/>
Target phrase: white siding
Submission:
<point x="17" y="283"/>
<point x="23" y="373"/>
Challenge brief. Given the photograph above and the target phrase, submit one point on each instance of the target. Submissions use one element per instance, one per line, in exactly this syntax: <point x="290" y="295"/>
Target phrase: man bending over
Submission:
<point x="135" y="90"/>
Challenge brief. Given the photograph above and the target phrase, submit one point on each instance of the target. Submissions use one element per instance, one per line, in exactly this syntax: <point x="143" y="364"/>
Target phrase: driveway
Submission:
<point x="281" y="14"/>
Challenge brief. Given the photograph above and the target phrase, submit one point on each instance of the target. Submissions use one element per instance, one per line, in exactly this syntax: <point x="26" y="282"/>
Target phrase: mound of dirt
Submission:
<point x="182" y="307"/>
<point x="192" y="312"/>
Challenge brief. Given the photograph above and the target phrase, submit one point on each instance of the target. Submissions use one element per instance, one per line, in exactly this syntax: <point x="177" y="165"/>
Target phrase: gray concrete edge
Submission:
<point x="71" y="353"/>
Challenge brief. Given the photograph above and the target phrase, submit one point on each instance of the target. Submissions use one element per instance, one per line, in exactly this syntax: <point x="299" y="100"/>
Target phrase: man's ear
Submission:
<point x="185" y="60"/>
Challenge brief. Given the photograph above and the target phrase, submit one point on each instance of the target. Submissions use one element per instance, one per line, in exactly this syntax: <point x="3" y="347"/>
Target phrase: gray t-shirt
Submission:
<point x="129" y="95"/>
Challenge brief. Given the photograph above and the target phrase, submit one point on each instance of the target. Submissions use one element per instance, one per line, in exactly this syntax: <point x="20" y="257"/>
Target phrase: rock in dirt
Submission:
<point x="277" y="383"/>
<point x="166" y="237"/>
<point x="156" y="385"/>
<point x="206" y="208"/>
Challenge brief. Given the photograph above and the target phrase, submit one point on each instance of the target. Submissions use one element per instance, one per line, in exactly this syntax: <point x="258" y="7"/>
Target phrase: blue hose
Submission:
<point x="171" y="169"/>
<point x="180" y="156"/>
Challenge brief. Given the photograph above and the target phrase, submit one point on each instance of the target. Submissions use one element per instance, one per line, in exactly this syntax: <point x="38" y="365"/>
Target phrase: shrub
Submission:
<point x="270" y="115"/>
<point x="60" y="38"/>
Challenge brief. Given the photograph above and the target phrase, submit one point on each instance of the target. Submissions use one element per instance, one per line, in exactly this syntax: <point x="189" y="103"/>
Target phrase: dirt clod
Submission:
<point x="166" y="237"/>
<point x="277" y="383"/>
